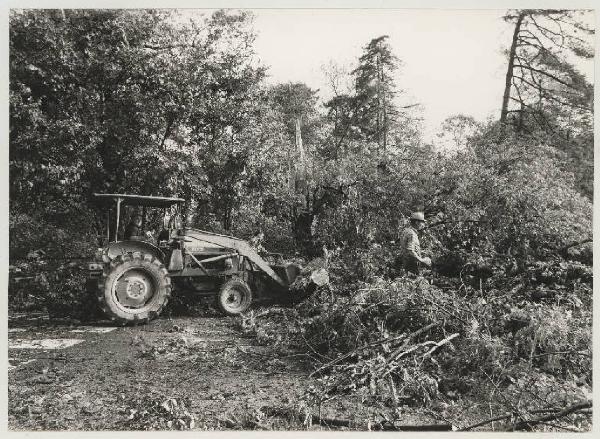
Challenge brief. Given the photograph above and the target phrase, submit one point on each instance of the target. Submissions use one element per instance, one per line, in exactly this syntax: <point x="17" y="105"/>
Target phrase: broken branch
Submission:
<point x="440" y="344"/>
<point x="526" y="425"/>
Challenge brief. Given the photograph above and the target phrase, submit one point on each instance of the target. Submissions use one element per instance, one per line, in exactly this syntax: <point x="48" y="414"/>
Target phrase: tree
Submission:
<point x="539" y="74"/>
<point x="375" y="91"/>
<point x="545" y="96"/>
<point x="370" y="112"/>
<point x="77" y="85"/>
<point x="296" y="105"/>
<point x="225" y="84"/>
<point x="456" y="131"/>
<point x="99" y="97"/>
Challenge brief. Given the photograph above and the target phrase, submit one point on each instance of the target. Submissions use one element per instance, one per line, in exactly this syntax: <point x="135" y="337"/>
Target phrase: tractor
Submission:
<point x="133" y="275"/>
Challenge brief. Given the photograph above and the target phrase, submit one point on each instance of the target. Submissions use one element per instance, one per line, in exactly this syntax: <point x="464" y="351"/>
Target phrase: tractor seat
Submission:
<point x="163" y="235"/>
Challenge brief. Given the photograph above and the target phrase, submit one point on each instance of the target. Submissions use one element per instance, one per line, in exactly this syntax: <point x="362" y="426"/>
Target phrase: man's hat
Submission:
<point x="417" y="216"/>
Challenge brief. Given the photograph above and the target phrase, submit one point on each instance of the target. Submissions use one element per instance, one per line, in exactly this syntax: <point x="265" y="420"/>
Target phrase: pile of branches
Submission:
<point x="384" y="363"/>
<point x="424" y="341"/>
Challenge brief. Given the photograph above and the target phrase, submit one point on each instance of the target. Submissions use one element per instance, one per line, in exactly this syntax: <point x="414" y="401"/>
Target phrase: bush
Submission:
<point x="556" y="340"/>
<point x="29" y="233"/>
<point x="67" y="295"/>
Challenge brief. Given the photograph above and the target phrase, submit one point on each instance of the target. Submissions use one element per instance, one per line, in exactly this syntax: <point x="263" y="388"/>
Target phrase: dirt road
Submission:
<point x="198" y="373"/>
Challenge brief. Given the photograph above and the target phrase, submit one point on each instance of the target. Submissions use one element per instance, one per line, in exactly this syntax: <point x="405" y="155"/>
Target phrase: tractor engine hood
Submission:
<point x="114" y="249"/>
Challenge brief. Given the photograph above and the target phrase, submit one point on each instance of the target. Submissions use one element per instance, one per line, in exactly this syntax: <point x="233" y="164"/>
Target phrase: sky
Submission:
<point x="451" y="60"/>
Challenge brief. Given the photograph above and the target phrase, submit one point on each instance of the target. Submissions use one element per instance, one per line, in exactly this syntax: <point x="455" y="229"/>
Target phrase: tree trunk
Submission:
<point x="299" y="145"/>
<point x="509" y="72"/>
<point x="227" y="216"/>
<point x="302" y="229"/>
<point x="303" y="216"/>
<point x="170" y="123"/>
<point x="300" y="184"/>
<point x="380" y="128"/>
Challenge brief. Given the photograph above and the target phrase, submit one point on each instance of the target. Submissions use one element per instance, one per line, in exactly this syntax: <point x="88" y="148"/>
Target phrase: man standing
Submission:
<point x="410" y="247"/>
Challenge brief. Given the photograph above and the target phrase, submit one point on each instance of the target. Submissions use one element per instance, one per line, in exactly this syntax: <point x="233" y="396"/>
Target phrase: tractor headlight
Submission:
<point x="94" y="266"/>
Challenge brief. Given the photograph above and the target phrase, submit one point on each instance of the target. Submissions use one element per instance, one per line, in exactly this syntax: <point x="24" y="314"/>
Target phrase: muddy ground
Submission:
<point x="199" y="373"/>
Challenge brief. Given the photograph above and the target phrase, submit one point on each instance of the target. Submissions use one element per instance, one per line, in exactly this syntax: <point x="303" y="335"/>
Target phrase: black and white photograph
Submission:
<point x="308" y="219"/>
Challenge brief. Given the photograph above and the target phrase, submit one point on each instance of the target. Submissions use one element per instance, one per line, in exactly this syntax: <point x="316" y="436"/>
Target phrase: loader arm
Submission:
<point x="241" y="246"/>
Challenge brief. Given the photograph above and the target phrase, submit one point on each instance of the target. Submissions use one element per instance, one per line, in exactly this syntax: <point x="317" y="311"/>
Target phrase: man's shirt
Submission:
<point x="410" y="246"/>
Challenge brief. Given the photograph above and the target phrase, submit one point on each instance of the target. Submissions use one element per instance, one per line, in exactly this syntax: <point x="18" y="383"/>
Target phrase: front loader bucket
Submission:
<point x="287" y="272"/>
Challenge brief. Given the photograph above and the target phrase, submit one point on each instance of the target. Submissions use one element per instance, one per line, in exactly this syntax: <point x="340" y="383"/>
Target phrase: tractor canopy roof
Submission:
<point x="140" y="200"/>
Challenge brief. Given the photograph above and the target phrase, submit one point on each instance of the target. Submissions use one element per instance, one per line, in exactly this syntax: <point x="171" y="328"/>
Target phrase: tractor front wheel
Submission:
<point x="134" y="288"/>
<point x="234" y="297"/>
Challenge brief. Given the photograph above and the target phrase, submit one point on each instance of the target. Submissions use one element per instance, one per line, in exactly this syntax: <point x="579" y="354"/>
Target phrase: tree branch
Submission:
<point x="487" y="421"/>
<point x="526" y="425"/>
<point x="455" y="221"/>
<point x="583" y="354"/>
<point x="545" y="74"/>
<point x="167" y="47"/>
<point x="536" y="113"/>
<point x="546" y="95"/>
<point x="544" y="31"/>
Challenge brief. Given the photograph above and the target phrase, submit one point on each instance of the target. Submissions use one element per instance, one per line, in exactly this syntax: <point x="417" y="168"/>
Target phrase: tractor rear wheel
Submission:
<point x="134" y="288"/>
<point x="234" y="297"/>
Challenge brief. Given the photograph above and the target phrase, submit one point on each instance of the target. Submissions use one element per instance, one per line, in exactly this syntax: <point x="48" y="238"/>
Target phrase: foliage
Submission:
<point x="99" y="97"/>
<point x="157" y="412"/>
